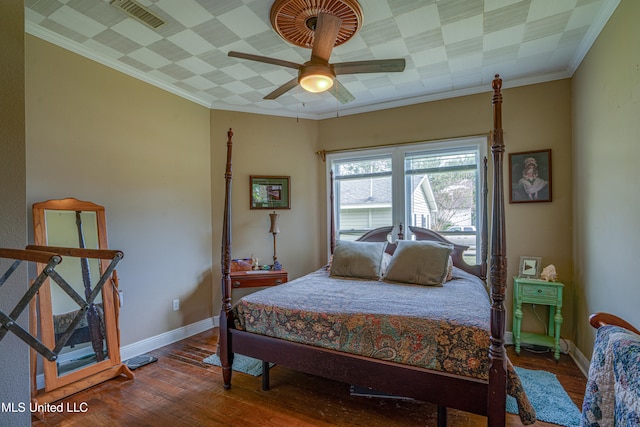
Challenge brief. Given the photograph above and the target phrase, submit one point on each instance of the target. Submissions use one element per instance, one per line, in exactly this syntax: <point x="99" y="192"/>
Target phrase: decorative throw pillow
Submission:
<point x="357" y="259"/>
<point x="420" y="262"/>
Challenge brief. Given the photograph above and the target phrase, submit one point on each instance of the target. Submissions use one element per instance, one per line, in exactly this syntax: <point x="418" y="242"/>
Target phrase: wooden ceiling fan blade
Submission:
<point x="341" y="93"/>
<point x="324" y="39"/>
<point x="264" y="59"/>
<point x="283" y="89"/>
<point x="373" y="66"/>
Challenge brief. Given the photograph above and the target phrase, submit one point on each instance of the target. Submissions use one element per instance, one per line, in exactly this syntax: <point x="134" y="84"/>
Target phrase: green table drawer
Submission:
<point x="529" y="290"/>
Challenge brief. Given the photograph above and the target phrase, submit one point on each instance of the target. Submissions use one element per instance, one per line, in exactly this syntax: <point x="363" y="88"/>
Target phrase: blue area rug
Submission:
<point x="551" y="402"/>
<point x="241" y="363"/>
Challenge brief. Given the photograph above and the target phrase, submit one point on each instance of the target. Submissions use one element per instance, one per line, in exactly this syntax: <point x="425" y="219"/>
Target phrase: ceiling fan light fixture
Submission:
<point x="316" y="83"/>
<point x="316" y="78"/>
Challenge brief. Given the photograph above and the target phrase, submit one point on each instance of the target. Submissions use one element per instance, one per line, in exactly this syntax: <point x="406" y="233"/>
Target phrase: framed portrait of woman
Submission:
<point x="530" y="176"/>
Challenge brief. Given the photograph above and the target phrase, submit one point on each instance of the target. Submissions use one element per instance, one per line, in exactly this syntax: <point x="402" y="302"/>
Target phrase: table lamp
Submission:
<point x="275" y="230"/>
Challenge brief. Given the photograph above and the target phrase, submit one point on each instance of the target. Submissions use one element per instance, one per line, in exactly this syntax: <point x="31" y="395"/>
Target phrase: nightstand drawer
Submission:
<point x="539" y="291"/>
<point x="258" y="279"/>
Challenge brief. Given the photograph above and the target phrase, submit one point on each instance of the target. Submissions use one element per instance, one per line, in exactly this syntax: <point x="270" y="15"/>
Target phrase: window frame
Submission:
<point x="400" y="210"/>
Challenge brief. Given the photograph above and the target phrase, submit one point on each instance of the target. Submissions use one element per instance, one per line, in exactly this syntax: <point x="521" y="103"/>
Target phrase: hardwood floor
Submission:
<point x="180" y="390"/>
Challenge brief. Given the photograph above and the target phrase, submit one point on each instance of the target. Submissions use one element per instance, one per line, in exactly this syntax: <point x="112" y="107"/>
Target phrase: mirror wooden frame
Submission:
<point x="56" y="386"/>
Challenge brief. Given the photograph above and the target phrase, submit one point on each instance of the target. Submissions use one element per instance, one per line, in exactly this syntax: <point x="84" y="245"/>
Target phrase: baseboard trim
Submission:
<point x="166" y="338"/>
<point x="152" y="343"/>
<point x="580" y="359"/>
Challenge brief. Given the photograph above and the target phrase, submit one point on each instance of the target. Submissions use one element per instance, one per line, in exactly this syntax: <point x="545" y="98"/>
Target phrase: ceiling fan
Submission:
<point x="317" y="74"/>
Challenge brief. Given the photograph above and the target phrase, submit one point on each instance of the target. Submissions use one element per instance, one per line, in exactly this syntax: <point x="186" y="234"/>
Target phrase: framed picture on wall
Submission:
<point x="269" y="192"/>
<point x="530" y="176"/>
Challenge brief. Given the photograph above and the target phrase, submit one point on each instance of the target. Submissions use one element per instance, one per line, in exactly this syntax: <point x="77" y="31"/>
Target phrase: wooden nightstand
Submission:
<point x="258" y="278"/>
<point x="534" y="291"/>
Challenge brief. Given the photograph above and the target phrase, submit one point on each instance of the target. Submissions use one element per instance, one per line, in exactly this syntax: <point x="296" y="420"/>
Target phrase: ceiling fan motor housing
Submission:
<point x="294" y="20"/>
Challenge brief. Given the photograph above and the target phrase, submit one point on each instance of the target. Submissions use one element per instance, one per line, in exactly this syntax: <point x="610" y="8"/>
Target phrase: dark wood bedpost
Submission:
<point x="498" y="273"/>
<point x="226" y="316"/>
<point x="484" y="230"/>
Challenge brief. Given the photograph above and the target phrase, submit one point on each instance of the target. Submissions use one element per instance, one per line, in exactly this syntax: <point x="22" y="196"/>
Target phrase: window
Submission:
<point x="433" y="185"/>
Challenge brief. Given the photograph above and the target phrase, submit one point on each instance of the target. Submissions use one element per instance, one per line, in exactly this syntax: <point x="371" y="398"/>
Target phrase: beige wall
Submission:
<point x="14" y="354"/>
<point x="98" y="135"/>
<point x="606" y="154"/>
<point x="534" y="117"/>
<point x="264" y="145"/>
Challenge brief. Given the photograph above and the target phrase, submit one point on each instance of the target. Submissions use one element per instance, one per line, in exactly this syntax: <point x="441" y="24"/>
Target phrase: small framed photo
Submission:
<point x="530" y="176"/>
<point x="530" y="267"/>
<point x="269" y="192"/>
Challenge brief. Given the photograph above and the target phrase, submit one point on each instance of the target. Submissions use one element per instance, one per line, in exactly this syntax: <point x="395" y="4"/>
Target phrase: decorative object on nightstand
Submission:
<point x="549" y="273"/>
<point x="535" y="291"/>
<point x="275" y="230"/>
<point x="529" y="267"/>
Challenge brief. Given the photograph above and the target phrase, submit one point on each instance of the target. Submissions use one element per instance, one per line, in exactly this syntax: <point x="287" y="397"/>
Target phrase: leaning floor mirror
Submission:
<point x="82" y="323"/>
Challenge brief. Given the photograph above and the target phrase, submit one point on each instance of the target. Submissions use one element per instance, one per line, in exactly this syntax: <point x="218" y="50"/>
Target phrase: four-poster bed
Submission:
<point x="477" y="382"/>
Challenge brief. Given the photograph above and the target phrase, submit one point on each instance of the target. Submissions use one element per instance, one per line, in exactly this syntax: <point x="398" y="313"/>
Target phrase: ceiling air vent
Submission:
<point x="139" y="12"/>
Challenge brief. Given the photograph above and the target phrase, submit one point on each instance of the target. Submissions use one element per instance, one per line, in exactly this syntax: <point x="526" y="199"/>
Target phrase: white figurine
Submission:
<point x="549" y="273"/>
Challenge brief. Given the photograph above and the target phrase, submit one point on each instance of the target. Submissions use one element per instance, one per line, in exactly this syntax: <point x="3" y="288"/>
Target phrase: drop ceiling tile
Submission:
<point x="427" y="40"/>
<point x="149" y="57"/>
<point x="542" y="9"/>
<point x="502" y="38"/>
<point x="196" y="65"/>
<point x="380" y="32"/>
<point x="218" y="77"/>
<point x="243" y="22"/>
<point x="470" y="63"/>
<point x="465" y="29"/>
<point x="187" y="12"/>
<point x="169" y="50"/>
<point x="239" y="71"/>
<point x="451" y="11"/>
<point x="430" y="56"/>
<point x="395" y="48"/>
<point x="137" y="31"/>
<point x="375" y="11"/>
<point x="99" y="11"/>
<point x="237" y="100"/>
<point x="43" y="7"/>
<point x="176" y="71"/>
<point x="190" y="42"/>
<point x="506" y="17"/>
<point x="490" y="5"/>
<point x="100" y="48"/>
<point x="542" y="28"/>
<point x="418" y="21"/>
<point x="117" y="41"/>
<point x="538" y="46"/>
<point x="70" y="18"/>
<point x="199" y="82"/>
<point x="216" y="33"/>
<point x="583" y="16"/>
<point x="132" y="62"/>
<point x="63" y="31"/>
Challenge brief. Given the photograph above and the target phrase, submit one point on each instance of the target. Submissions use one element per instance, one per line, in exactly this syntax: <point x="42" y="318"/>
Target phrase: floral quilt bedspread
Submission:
<point x="440" y="328"/>
<point x="612" y="396"/>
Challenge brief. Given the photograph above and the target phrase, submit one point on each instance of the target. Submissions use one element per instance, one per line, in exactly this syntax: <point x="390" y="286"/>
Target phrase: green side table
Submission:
<point x="535" y="291"/>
